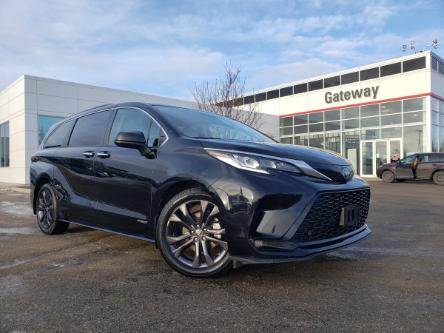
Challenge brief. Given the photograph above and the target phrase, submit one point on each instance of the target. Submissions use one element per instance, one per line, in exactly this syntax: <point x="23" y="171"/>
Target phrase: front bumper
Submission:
<point x="303" y="251"/>
<point x="268" y="218"/>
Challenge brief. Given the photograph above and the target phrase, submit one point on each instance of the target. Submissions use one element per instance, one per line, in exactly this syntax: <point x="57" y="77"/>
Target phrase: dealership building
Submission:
<point x="371" y="114"/>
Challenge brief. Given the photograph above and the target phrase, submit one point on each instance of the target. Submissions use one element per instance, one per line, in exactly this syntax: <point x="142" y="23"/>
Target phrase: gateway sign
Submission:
<point x="343" y="96"/>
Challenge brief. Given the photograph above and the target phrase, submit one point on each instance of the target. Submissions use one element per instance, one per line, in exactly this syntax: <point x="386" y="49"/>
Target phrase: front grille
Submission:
<point x="322" y="221"/>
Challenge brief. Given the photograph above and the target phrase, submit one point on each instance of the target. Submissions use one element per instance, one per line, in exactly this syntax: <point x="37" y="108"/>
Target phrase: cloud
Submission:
<point x="166" y="47"/>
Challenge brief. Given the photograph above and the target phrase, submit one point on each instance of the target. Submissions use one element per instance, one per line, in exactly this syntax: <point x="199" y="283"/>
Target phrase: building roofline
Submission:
<point x="34" y="77"/>
<point x="344" y="71"/>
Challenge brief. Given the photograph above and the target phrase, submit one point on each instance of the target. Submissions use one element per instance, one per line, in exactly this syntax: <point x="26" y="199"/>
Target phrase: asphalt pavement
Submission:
<point x="92" y="281"/>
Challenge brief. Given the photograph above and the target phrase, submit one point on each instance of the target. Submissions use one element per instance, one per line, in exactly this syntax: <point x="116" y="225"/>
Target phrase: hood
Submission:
<point x="329" y="163"/>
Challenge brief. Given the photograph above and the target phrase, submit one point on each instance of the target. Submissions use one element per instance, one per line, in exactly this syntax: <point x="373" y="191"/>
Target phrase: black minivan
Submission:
<point x="210" y="192"/>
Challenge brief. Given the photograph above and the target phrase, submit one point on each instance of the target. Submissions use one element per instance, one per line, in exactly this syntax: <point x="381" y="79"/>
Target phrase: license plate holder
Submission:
<point x="349" y="215"/>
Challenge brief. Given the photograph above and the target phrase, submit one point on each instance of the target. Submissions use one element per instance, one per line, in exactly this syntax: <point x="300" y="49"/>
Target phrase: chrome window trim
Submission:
<point x="305" y="167"/>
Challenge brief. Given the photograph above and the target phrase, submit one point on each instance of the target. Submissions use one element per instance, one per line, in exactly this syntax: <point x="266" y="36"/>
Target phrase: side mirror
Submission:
<point x="135" y="140"/>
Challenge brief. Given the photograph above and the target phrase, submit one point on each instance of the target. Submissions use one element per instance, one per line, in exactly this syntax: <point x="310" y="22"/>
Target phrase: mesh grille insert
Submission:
<point x="322" y="221"/>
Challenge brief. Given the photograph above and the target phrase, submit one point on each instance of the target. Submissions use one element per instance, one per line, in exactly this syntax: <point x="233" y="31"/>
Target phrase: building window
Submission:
<point x="4" y="144"/>
<point x="300" y="119"/>
<point x="286" y="91"/>
<point x="300" y="88"/>
<point x="413" y="64"/>
<point x="260" y="97"/>
<point x="332" y="81"/>
<point x="316" y="117"/>
<point x="332" y="115"/>
<point x="287" y="121"/>
<point x="352" y="112"/>
<point x="315" y="85"/>
<point x="45" y="123"/>
<point x="414" y="104"/>
<point x="249" y="99"/>
<point x="287" y="140"/>
<point x="435" y="63"/>
<point x="414" y="139"/>
<point x="273" y="94"/>
<point x="368" y="74"/>
<point x="370" y="110"/>
<point x="391" y="107"/>
<point x="350" y="78"/>
<point x="391" y="69"/>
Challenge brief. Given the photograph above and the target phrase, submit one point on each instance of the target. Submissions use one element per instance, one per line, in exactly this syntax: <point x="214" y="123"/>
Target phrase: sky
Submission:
<point x="167" y="47"/>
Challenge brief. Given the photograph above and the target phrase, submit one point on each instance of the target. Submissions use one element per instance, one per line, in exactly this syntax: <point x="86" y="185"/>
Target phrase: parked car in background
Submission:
<point x="430" y="167"/>
<point x="209" y="191"/>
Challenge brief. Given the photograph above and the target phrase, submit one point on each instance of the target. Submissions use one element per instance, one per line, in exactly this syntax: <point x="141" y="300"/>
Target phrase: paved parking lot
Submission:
<point x="88" y="280"/>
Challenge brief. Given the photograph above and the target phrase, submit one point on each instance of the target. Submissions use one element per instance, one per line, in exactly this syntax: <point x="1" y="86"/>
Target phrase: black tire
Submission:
<point x="47" y="212"/>
<point x="438" y="177"/>
<point x="388" y="177"/>
<point x="178" y="238"/>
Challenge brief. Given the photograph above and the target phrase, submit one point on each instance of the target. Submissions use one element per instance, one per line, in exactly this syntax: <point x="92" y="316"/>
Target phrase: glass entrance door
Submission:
<point x="377" y="152"/>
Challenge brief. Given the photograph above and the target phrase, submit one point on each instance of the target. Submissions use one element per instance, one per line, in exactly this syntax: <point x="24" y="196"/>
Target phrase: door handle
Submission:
<point x="88" y="154"/>
<point x="103" y="154"/>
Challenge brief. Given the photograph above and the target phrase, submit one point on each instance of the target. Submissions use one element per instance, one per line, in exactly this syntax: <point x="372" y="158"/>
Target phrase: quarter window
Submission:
<point x="59" y="137"/>
<point x="45" y="123"/>
<point x="129" y="120"/>
<point x="156" y="136"/>
<point x="89" y="130"/>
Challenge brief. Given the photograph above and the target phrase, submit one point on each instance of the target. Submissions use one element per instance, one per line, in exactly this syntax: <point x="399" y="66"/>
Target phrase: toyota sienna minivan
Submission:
<point x="209" y="192"/>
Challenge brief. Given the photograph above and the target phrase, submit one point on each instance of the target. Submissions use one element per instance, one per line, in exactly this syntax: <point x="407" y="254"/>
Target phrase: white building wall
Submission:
<point x="12" y="109"/>
<point x="30" y="96"/>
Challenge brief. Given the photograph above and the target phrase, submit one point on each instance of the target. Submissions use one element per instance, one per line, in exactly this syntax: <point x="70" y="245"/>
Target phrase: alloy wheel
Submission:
<point x="195" y="235"/>
<point x="45" y="208"/>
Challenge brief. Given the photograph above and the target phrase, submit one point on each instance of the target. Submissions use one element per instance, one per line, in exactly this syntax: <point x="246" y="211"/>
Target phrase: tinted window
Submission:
<point x="129" y="120"/>
<point x="260" y="97"/>
<point x="4" y="144"/>
<point x="316" y="117"/>
<point x="332" y="81"/>
<point x="350" y="78"/>
<point x="59" y="137"/>
<point x="434" y="64"/>
<point x="332" y="115"/>
<point x="287" y="121"/>
<point x="300" y="119"/>
<point x="249" y="99"/>
<point x="315" y="85"/>
<point x="391" y="69"/>
<point x="90" y="130"/>
<point x="286" y="91"/>
<point x="390" y="107"/>
<point x="206" y="125"/>
<point x="238" y="101"/>
<point x="411" y="65"/>
<point x="370" y="110"/>
<point x="273" y="94"/>
<point x="368" y="74"/>
<point x="413" y="104"/>
<point x="300" y="88"/>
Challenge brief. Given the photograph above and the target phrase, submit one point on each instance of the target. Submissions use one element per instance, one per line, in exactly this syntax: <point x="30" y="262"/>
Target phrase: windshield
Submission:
<point x="205" y="125"/>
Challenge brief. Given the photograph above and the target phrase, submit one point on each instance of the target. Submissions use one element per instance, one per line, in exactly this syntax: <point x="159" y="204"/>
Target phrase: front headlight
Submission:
<point x="253" y="163"/>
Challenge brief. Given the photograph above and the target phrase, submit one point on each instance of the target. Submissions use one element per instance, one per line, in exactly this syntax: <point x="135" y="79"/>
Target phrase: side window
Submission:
<point x="90" y="130"/>
<point x="156" y="136"/>
<point x="59" y="137"/>
<point x="426" y="158"/>
<point x="129" y="120"/>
